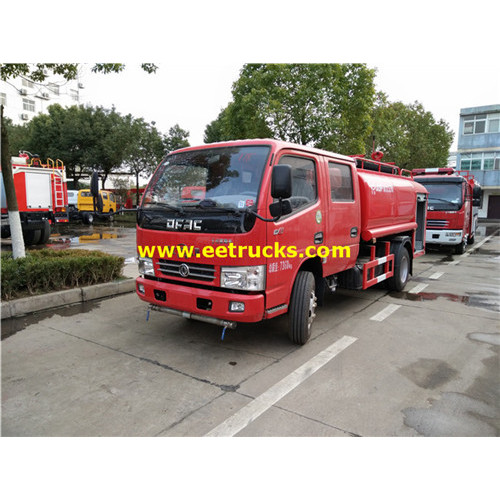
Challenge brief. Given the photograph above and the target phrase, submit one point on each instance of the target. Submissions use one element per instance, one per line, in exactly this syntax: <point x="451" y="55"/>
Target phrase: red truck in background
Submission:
<point x="42" y="197"/>
<point x="268" y="193"/>
<point x="452" y="210"/>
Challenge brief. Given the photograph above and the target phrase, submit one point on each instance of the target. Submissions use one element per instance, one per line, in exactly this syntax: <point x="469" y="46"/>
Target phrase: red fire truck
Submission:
<point x="293" y="203"/>
<point x="42" y="197"/>
<point x="452" y="210"/>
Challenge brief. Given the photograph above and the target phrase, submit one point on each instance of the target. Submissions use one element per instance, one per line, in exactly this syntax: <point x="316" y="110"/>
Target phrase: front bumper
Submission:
<point x="202" y="302"/>
<point x="443" y="236"/>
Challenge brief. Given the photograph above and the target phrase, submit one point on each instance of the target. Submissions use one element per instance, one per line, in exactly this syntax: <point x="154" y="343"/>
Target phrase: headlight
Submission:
<point x="146" y="266"/>
<point x="251" y="278"/>
<point x="454" y="234"/>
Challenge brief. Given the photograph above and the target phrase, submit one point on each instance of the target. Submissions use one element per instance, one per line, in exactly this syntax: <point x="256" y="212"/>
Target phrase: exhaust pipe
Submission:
<point x="197" y="317"/>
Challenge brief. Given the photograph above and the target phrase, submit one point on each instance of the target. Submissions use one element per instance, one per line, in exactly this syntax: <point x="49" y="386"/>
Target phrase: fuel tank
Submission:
<point x="388" y="203"/>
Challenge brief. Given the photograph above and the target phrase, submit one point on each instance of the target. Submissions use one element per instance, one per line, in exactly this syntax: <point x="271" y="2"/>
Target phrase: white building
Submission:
<point x="23" y="99"/>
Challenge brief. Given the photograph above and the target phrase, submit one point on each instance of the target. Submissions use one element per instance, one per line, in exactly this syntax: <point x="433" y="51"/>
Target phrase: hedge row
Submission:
<point x="46" y="270"/>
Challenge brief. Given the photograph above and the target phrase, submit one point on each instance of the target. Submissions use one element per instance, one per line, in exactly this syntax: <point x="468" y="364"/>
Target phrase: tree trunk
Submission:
<point x="137" y="198"/>
<point x="16" y="232"/>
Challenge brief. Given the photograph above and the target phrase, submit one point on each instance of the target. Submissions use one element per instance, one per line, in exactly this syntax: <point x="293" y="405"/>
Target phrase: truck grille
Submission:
<point x="437" y="223"/>
<point x="203" y="272"/>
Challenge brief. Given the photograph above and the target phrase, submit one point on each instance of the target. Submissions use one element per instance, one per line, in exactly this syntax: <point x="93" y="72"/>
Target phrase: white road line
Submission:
<point x="259" y="405"/>
<point x="435" y="276"/>
<point x="418" y="288"/>
<point x="384" y="313"/>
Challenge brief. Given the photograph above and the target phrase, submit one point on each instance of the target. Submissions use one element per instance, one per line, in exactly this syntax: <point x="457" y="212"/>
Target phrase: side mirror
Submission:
<point x="477" y="193"/>
<point x="280" y="208"/>
<point x="94" y="184"/>
<point x="281" y="181"/>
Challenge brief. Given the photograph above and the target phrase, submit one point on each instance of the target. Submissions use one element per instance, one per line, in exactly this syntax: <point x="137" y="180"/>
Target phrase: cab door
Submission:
<point x="105" y="201"/>
<point x="299" y="229"/>
<point x="343" y="217"/>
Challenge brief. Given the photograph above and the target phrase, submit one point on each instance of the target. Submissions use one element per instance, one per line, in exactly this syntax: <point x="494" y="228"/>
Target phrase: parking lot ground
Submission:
<point x="423" y="362"/>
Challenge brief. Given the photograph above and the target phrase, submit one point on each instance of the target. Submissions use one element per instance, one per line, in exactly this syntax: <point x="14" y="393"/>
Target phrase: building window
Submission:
<point x="27" y="83"/>
<point x="480" y="161"/>
<point x="73" y="94"/>
<point x="28" y="105"/>
<point x="493" y="123"/>
<point x="54" y="88"/>
<point x="480" y="124"/>
<point x="3" y="98"/>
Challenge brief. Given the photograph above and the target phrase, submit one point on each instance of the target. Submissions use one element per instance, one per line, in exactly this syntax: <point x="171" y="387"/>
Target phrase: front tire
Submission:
<point x="460" y="248"/>
<point x="88" y="218"/>
<point x="302" y="308"/>
<point x="401" y="270"/>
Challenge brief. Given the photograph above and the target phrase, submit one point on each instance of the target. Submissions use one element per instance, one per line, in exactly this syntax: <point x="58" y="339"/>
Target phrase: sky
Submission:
<point x="193" y="94"/>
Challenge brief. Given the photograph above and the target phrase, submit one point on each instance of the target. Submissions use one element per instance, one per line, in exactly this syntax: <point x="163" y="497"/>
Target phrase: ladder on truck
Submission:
<point x="58" y="179"/>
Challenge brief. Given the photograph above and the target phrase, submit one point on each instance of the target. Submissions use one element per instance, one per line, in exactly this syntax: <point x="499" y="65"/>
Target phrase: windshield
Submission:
<point x="444" y="196"/>
<point x="227" y="178"/>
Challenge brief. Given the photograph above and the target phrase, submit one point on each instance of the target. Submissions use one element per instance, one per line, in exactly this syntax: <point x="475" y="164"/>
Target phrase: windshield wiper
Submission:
<point x="209" y="204"/>
<point x="179" y="210"/>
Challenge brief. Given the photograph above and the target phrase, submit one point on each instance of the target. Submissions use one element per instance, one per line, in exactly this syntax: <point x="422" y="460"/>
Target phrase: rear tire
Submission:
<point x="302" y="308"/>
<point x="32" y="236"/>
<point x="45" y="232"/>
<point x="401" y="270"/>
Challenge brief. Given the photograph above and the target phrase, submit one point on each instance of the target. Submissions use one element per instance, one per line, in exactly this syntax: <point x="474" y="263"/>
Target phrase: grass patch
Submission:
<point x="43" y="271"/>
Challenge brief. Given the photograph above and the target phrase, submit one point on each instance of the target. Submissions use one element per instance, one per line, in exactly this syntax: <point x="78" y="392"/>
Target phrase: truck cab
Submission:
<point x="452" y="211"/>
<point x="105" y="205"/>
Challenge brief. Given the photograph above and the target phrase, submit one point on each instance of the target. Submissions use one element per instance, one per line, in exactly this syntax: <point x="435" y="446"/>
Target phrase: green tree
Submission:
<point x="64" y="133"/>
<point x="69" y="71"/>
<point x="322" y="105"/>
<point x="176" y="138"/>
<point x="408" y="135"/>
<point x="115" y="133"/>
<point x="145" y="150"/>
<point x="17" y="136"/>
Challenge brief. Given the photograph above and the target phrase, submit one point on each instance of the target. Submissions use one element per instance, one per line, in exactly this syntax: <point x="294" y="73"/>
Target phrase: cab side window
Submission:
<point x="304" y="183"/>
<point x="340" y="182"/>
<point x="105" y="196"/>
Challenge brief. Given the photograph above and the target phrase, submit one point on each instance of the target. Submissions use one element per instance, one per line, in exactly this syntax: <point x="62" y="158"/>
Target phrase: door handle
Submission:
<point x="354" y="232"/>
<point x="318" y="238"/>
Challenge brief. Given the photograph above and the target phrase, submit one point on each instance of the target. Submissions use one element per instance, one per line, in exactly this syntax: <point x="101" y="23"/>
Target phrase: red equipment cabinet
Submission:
<point x="369" y="215"/>
<point x="453" y="204"/>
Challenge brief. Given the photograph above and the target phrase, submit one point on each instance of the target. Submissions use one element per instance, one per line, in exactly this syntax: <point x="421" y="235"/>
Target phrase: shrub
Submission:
<point x="46" y="270"/>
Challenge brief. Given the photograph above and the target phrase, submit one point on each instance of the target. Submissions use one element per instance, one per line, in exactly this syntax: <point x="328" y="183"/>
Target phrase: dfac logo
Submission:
<point x="183" y="225"/>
